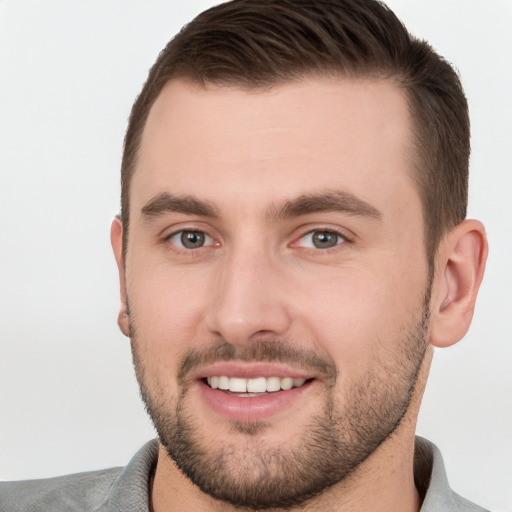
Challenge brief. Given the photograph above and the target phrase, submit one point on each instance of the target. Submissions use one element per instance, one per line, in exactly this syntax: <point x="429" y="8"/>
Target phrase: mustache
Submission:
<point x="259" y="351"/>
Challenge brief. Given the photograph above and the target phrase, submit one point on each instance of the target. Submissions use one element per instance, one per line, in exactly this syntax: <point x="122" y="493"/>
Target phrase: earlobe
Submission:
<point x="116" y="239"/>
<point x="459" y="271"/>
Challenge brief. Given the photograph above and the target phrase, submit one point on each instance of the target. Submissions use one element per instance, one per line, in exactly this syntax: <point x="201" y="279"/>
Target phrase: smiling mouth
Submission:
<point x="255" y="386"/>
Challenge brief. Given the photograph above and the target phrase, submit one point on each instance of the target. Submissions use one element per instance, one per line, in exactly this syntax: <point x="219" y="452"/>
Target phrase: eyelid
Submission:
<point x="178" y="230"/>
<point x="177" y="235"/>
<point x="342" y="233"/>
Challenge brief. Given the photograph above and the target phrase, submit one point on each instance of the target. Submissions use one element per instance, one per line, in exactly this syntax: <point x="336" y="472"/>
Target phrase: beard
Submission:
<point x="255" y="473"/>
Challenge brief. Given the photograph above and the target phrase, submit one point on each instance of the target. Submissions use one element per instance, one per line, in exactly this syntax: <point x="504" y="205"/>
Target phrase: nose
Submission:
<point x="249" y="298"/>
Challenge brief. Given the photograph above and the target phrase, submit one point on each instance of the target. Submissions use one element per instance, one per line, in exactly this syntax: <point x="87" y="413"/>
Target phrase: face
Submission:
<point x="277" y="282"/>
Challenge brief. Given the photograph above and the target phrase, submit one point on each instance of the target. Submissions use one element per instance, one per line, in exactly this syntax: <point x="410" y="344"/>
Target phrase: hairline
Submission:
<point x="415" y="149"/>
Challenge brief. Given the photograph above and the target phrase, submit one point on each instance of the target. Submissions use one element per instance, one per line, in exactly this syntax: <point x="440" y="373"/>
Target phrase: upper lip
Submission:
<point x="249" y="370"/>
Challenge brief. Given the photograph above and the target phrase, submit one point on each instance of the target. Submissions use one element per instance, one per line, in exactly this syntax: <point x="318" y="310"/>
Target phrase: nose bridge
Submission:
<point x="248" y="298"/>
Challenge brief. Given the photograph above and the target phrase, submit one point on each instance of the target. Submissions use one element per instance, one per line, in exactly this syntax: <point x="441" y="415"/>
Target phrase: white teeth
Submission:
<point x="256" y="385"/>
<point x="273" y="384"/>
<point x="223" y="382"/>
<point x="237" y="385"/>
<point x="286" y="383"/>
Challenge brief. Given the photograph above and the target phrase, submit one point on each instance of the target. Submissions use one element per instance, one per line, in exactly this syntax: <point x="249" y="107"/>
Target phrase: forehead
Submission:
<point x="235" y="147"/>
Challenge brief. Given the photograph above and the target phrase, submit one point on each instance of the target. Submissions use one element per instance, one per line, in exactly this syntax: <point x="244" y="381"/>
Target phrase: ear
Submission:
<point x="116" y="239"/>
<point x="460" y="268"/>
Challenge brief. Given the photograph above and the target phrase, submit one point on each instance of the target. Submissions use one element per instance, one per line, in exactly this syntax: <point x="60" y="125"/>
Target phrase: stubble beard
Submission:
<point x="258" y="475"/>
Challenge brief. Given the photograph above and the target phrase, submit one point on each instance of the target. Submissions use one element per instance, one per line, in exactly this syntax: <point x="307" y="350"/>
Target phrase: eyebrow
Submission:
<point x="168" y="203"/>
<point x="306" y="204"/>
<point x="331" y="201"/>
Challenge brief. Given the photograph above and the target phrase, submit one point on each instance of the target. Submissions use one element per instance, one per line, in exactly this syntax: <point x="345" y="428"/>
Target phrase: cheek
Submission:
<point x="166" y="308"/>
<point x="356" y="314"/>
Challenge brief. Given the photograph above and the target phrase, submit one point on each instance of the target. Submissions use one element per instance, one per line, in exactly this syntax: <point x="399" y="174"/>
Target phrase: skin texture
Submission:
<point x="261" y="171"/>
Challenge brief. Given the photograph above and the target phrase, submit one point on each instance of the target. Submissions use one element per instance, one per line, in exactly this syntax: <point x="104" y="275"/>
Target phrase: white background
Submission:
<point x="69" y="72"/>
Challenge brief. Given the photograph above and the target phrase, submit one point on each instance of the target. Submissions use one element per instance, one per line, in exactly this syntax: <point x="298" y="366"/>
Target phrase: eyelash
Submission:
<point x="181" y="232"/>
<point x="342" y="238"/>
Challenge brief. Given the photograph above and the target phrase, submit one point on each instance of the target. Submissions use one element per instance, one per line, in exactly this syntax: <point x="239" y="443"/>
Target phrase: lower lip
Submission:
<point x="250" y="409"/>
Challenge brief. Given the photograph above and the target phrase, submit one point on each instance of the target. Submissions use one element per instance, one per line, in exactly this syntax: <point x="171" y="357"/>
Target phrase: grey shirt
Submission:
<point x="126" y="489"/>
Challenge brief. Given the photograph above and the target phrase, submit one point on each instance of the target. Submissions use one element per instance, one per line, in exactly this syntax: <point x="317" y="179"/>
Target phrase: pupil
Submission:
<point x="324" y="239"/>
<point x="192" y="240"/>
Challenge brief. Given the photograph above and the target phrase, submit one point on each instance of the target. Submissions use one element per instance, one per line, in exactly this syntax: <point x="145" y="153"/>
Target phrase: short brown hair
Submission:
<point x="260" y="43"/>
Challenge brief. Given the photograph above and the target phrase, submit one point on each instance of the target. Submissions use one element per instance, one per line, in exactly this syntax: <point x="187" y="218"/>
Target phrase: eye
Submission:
<point x="321" y="239"/>
<point x="190" y="239"/>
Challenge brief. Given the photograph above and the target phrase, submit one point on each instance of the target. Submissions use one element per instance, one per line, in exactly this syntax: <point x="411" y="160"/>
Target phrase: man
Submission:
<point x="292" y="245"/>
